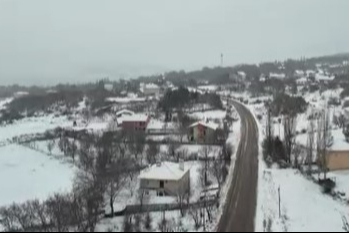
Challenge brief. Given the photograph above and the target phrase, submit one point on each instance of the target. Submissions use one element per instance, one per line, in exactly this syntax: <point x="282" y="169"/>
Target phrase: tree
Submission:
<point x="289" y="135"/>
<point x="325" y="141"/>
<point x="148" y="221"/>
<point x="345" y="224"/>
<point x="269" y="135"/>
<point x="194" y="212"/>
<point x="205" y="153"/>
<point x="346" y="132"/>
<point x="173" y="147"/>
<point x="310" y="146"/>
<point x="136" y="146"/>
<point x="152" y="152"/>
<point x="184" y="121"/>
<point x="50" y="146"/>
<point x="218" y="168"/>
<point x="127" y="226"/>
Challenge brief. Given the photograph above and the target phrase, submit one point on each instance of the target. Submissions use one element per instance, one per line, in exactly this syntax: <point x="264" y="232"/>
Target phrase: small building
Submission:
<point x="338" y="160"/>
<point x="166" y="178"/>
<point x="302" y="81"/>
<point x="203" y="132"/>
<point x="108" y="86"/>
<point x="136" y="122"/>
<point x="150" y="89"/>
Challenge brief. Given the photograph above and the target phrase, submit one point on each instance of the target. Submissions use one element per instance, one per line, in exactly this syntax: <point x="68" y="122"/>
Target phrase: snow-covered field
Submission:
<point x="26" y="174"/>
<point x="342" y="182"/>
<point x="303" y="205"/>
<point x="214" y="114"/>
<point x="32" y="126"/>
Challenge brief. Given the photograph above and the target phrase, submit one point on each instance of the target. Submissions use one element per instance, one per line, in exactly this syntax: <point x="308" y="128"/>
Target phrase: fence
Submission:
<point x="134" y="209"/>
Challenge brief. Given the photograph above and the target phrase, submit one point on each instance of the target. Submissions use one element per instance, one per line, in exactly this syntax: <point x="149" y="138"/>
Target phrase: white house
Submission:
<point x="323" y="78"/>
<point x="150" y="89"/>
<point x="302" y="81"/>
<point x="166" y="178"/>
<point x="108" y="86"/>
<point x="277" y="75"/>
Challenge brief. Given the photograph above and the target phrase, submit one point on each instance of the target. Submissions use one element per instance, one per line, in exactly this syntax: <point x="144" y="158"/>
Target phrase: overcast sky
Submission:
<point x="46" y="41"/>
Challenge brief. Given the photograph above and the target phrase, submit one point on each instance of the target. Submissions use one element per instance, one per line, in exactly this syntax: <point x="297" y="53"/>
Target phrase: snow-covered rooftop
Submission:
<point x="277" y="75"/>
<point x="321" y="77"/>
<point x="210" y="125"/>
<point x="164" y="171"/>
<point x="151" y="86"/>
<point x="125" y="111"/>
<point x="135" y="118"/>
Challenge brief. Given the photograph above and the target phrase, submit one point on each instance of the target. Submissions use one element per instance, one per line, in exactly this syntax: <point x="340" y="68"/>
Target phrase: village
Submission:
<point x="162" y="155"/>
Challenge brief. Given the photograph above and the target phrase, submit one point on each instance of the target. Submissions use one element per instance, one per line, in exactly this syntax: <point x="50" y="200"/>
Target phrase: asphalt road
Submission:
<point x="240" y="209"/>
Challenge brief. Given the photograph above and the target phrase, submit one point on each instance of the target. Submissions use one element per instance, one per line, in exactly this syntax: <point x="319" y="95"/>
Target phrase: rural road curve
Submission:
<point x="240" y="207"/>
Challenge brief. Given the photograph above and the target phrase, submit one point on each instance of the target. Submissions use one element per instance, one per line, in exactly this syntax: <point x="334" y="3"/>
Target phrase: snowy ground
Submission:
<point x="32" y="126"/>
<point x="26" y="174"/>
<point x="214" y="114"/>
<point x="303" y="206"/>
<point x="342" y="182"/>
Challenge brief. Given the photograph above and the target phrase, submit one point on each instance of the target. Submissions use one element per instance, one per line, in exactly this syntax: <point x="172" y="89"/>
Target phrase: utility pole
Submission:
<point x="279" y="203"/>
<point x="222" y="59"/>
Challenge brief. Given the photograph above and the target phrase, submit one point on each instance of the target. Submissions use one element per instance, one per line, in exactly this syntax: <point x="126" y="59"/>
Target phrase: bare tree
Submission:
<point x="58" y="211"/>
<point x="148" y="221"/>
<point x="205" y="155"/>
<point x="173" y="147"/>
<point x="194" y="212"/>
<point x="127" y="226"/>
<point x="217" y="170"/>
<point x="289" y="135"/>
<point x="325" y="141"/>
<point x="345" y="224"/>
<point x="152" y="152"/>
<point x="137" y="144"/>
<point x="50" y="146"/>
<point x="310" y="146"/>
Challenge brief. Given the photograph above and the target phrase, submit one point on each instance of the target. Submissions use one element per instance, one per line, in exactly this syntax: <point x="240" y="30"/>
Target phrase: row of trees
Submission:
<point x="319" y="142"/>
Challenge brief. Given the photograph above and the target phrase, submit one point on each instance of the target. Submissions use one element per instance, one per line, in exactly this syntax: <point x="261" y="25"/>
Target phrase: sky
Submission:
<point x="46" y="42"/>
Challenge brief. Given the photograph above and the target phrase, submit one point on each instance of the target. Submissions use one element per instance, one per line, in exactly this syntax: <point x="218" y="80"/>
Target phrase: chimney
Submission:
<point x="181" y="164"/>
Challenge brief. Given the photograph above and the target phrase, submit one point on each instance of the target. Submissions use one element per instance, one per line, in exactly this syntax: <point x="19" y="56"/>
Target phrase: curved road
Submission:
<point x="240" y="208"/>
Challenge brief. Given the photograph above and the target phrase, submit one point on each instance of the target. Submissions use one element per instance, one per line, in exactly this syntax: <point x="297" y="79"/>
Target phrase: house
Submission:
<point x="322" y="78"/>
<point x="150" y="89"/>
<point x="302" y="81"/>
<point x="108" y="86"/>
<point x="136" y="122"/>
<point x="166" y="178"/>
<point x="203" y="132"/>
<point x="338" y="160"/>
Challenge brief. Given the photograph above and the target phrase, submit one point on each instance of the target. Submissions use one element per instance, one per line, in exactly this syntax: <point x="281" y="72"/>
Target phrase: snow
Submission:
<point x="32" y="126"/>
<point x="125" y="99"/>
<point x="135" y="118"/>
<point x="304" y="207"/>
<point x="322" y="77"/>
<point x="214" y="114"/>
<point x="26" y="174"/>
<point x="342" y="182"/>
<point x="4" y="102"/>
<point x="277" y="75"/>
<point x="208" y="88"/>
<point x="210" y="125"/>
<point x="164" y="171"/>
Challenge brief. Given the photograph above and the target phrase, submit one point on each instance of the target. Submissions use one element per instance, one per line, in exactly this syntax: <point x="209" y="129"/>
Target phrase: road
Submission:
<point x="239" y="211"/>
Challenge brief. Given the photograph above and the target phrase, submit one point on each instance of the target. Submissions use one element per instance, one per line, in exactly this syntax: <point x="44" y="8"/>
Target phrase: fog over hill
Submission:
<point x="46" y="42"/>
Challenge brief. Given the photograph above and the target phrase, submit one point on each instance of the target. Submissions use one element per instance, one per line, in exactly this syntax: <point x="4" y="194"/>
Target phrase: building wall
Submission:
<point x="338" y="160"/>
<point x="171" y="188"/>
<point x="202" y="134"/>
<point x="151" y="91"/>
<point x="136" y="125"/>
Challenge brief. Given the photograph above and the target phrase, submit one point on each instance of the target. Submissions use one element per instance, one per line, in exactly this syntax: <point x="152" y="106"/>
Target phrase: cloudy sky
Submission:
<point x="51" y="41"/>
